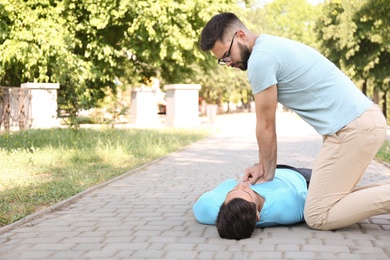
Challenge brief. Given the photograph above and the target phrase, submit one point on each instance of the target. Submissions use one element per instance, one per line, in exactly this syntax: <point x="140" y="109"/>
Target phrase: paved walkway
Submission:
<point x="147" y="213"/>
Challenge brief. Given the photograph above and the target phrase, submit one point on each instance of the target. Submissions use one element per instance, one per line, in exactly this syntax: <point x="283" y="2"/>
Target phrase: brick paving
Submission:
<point x="147" y="213"/>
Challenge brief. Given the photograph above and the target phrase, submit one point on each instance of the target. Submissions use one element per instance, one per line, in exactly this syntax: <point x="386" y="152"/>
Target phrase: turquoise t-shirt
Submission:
<point x="307" y="82"/>
<point x="284" y="200"/>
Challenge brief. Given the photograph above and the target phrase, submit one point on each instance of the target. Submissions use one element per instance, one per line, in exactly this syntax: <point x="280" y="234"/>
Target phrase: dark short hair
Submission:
<point x="236" y="219"/>
<point x="216" y="28"/>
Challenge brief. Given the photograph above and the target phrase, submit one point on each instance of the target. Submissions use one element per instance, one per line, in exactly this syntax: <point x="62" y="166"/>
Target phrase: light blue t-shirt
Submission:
<point x="284" y="200"/>
<point x="307" y="82"/>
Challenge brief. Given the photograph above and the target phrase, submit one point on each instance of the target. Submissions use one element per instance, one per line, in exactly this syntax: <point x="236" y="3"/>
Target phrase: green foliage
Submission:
<point x="327" y="31"/>
<point x="30" y="43"/>
<point x="85" y="45"/>
<point x="42" y="167"/>
<point x="373" y="33"/>
<point x="354" y="35"/>
<point x="293" y="19"/>
<point x="384" y="153"/>
<point x="222" y="84"/>
<point x="163" y="39"/>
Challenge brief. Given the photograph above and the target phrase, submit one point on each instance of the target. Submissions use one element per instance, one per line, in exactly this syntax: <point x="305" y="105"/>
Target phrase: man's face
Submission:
<point x="234" y="54"/>
<point x="241" y="191"/>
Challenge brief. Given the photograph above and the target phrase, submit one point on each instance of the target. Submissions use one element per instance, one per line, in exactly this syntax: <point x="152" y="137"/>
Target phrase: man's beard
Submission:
<point x="245" y="54"/>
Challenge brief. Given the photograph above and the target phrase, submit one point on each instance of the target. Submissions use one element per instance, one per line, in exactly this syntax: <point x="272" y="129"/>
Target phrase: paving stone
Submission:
<point x="301" y="255"/>
<point x="96" y="254"/>
<point x="70" y="254"/>
<point x="326" y="248"/>
<point x="36" y="254"/>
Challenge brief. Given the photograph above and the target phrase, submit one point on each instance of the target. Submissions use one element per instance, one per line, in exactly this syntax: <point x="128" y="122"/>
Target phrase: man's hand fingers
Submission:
<point x="246" y="175"/>
<point x="252" y="181"/>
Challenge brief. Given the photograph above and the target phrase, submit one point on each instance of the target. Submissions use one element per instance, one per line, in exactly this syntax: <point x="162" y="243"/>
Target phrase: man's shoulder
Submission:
<point x="220" y="190"/>
<point x="273" y="42"/>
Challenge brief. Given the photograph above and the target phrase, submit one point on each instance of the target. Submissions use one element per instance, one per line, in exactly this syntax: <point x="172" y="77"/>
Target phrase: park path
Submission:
<point x="147" y="213"/>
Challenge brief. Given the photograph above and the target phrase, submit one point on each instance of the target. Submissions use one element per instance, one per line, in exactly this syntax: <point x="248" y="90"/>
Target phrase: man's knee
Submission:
<point x="313" y="219"/>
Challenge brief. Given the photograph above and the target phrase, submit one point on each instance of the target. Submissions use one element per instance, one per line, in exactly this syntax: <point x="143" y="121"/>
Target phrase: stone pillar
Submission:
<point x="182" y="105"/>
<point x="211" y="112"/>
<point x="144" y="110"/>
<point x="43" y="104"/>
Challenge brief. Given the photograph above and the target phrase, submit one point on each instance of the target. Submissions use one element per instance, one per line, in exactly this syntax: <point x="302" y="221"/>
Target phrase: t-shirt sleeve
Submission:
<point x="262" y="71"/>
<point x="207" y="206"/>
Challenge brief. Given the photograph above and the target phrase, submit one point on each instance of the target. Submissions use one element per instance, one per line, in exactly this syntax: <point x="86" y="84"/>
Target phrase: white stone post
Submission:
<point x="182" y="105"/>
<point x="211" y="112"/>
<point x="144" y="110"/>
<point x="43" y="104"/>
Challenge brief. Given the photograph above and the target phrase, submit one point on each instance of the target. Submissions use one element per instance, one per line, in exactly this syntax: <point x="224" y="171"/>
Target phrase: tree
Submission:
<point x="97" y="29"/>
<point x="222" y="84"/>
<point x="327" y="31"/>
<point x="354" y="35"/>
<point x="164" y="38"/>
<point x="30" y="39"/>
<point x="373" y="23"/>
<point x="84" y="45"/>
<point x="40" y="46"/>
<point x="293" y="19"/>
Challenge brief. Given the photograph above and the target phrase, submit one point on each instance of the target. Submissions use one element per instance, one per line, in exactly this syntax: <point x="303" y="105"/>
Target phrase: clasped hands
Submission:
<point x="254" y="174"/>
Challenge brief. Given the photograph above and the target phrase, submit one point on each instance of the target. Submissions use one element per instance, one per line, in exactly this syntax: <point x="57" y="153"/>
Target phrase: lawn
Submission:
<point x="39" y="168"/>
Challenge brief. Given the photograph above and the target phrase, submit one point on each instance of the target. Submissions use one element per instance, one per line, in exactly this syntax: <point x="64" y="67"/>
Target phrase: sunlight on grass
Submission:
<point x="384" y="153"/>
<point x="42" y="167"/>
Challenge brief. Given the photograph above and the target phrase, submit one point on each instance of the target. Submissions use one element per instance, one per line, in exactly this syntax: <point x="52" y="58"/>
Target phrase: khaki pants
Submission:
<point x="333" y="201"/>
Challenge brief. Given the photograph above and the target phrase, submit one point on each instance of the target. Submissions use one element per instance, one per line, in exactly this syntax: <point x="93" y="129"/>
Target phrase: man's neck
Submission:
<point x="260" y="201"/>
<point x="252" y="40"/>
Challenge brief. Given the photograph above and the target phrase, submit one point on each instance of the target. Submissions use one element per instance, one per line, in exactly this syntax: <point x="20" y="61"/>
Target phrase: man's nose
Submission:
<point x="243" y="184"/>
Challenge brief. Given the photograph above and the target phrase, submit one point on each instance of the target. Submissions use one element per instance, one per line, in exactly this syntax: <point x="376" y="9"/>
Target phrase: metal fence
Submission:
<point x="15" y="108"/>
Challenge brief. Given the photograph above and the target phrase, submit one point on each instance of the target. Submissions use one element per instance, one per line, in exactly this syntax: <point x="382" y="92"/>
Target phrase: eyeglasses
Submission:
<point x="227" y="57"/>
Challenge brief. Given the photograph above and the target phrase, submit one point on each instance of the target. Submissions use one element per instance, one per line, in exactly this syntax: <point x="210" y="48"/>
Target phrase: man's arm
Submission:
<point x="266" y="102"/>
<point x="205" y="210"/>
<point x="207" y="206"/>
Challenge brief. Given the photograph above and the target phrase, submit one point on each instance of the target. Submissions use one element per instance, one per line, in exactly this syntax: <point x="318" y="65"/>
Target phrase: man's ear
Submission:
<point x="257" y="216"/>
<point x="241" y="34"/>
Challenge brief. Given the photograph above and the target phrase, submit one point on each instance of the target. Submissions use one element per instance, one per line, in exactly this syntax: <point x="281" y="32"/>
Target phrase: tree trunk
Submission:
<point x="384" y="104"/>
<point x="364" y="87"/>
<point x="376" y="97"/>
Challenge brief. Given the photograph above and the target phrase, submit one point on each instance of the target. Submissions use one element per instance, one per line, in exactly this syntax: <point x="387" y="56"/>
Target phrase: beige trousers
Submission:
<point x="333" y="200"/>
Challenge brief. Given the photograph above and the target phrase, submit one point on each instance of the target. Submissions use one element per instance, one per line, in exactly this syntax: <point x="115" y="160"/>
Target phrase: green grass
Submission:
<point x="39" y="168"/>
<point x="384" y="153"/>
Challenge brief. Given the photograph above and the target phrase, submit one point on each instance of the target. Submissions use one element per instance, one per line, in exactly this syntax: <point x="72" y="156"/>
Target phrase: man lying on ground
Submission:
<point x="237" y="207"/>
